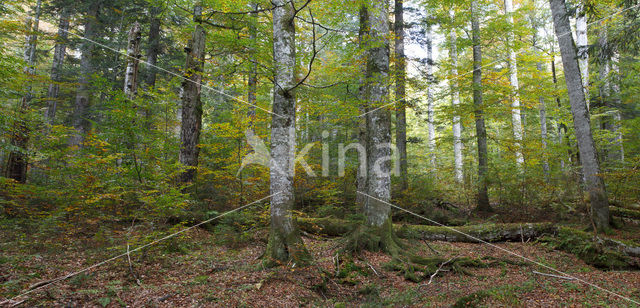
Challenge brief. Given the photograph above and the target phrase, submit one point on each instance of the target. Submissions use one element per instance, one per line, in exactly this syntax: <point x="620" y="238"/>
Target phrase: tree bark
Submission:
<point x="252" y="80"/>
<point x="379" y="119"/>
<point x="430" y="102"/>
<point x="455" y="101"/>
<point x="541" y="103"/>
<point x="581" y="122"/>
<point x="133" y="62"/>
<point x="516" y="118"/>
<point x="481" y="131"/>
<point x="80" y="121"/>
<point x="400" y="76"/>
<point x="361" y="176"/>
<point x="191" y="104"/>
<point x="153" y="50"/>
<point x="582" y="43"/>
<point x="17" y="161"/>
<point x="285" y="242"/>
<point x="59" y="52"/>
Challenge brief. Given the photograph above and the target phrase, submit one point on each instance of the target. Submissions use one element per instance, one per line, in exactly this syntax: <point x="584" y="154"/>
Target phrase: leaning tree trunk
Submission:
<point x="516" y="118"/>
<point x="581" y="122"/>
<point x="481" y="131"/>
<point x="455" y="101"/>
<point x="361" y="176"/>
<point x="285" y="243"/>
<point x="59" y="52"/>
<point x="582" y="43"/>
<point x="80" y="121"/>
<point x="430" y="102"/>
<point x="17" y="161"/>
<point x="191" y="104"/>
<point x="400" y="76"/>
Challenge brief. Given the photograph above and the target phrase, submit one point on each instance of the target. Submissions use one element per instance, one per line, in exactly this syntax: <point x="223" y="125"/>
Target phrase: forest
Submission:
<point x="319" y="153"/>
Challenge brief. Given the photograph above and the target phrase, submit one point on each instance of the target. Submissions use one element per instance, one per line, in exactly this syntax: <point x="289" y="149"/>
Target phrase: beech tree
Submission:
<point x="400" y="76"/>
<point x="581" y="121"/>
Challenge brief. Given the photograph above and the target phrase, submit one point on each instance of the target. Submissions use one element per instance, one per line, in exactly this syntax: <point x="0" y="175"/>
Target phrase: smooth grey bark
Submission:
<point x="285" y="242"/>
<point x="455" y="101"/>
<point x="616" y="154"/>
<point x="80" y="121"/>
<point x="516" y="118"/>
<point x="581" y="122"/>
<point x="59" y="52"/>
<point x="613" y="151"/>
<point x="481" y="131"/>
<point x="17" y="161"/>
<point x="400" y="76"/>
<point x="379" y="120"/>
<point x="133" y="62"/>
<point x="191" y="104"/>
<point x="252" y="78"/>
<point x="361" y="176"/>
<point x="582" y="43"/>
<point x="430" y="102"/>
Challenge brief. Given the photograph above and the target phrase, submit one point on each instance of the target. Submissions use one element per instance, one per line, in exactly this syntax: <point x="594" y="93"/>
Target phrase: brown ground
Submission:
<point x="197" y="271"/>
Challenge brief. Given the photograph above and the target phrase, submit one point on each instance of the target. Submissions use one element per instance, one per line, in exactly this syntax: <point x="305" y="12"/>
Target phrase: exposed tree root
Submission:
<point x="282" y="250"/>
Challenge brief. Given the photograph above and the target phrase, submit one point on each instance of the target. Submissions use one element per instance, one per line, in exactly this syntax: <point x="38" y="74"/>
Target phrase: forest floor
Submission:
<point x="197" y="269"/>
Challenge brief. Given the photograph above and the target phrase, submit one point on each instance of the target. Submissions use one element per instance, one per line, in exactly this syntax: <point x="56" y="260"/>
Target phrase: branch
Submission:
<point x="439" y="268"/>
<point x="313" y="56"/>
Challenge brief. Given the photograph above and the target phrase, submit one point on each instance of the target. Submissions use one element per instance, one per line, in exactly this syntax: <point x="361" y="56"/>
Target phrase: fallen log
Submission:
<point x="623" y="212"/>
<point x="470" y="234"/>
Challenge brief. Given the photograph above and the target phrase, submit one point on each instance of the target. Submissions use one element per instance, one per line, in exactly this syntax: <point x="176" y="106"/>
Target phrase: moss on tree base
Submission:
<point x="283" y="249"/>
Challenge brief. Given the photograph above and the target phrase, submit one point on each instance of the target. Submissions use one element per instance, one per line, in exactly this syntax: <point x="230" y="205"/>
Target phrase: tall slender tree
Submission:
<point x="582" y="42"/>
<point x="455" y="101"/>
<point x="17" y="161"/>
<point x="400" y="76"/>
<point x="541" y="102"/>
<point x="361" y="176"/>
<point x="516" y="117"/>
<point x="81" y="117"/>
<point x="581" y="122"/>
<point x="59" y="52"/>
<point x="481" y="131"/>
<point x="431" y="126"/>
<point x="285" y="242"/>
<point x="191" y="103"/>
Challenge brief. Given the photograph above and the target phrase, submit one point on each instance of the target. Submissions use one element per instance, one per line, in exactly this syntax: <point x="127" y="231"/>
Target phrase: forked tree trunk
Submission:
<point x="17" y="161"/>
<point x="455" y="101"/>
<point x="481" y="131"/>
<point x="361" y="176"/>
<point x="59" y="52"/>
<point x="516" y="118"/>
<point x="81" y="122"/>
<point x="191" y="104"/>
<point x="285" y="243"/>
<point x="430" y="102"/>
<point x="581" y="122"/>
<point x="400" y="76"/>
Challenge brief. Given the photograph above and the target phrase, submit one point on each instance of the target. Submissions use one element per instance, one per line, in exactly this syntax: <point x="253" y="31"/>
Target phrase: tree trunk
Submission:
<point x="379" y="120"/>
<point x="541" y="103"/>
<point x="285" y="242"/>
<point x="481" y="131"/>
<point x="400" y="76"/>
<point x="582" y="43"/>
<point x="361" y="176"/>
<point x="80" y="121"/>
<point x="59" y="52"/>
<point x="17" y="161"/>
<point x="252" y="80"/>
<point x="153" y="49"/>
<point x="581" y="122"/>
<point x="133" y="56"/>
<point x="617" y="154"/>
<point x="191" y="104"/>
<point x="516" y="118"/>
<point x="430" y="102"/>
<point x="455" y="101"/>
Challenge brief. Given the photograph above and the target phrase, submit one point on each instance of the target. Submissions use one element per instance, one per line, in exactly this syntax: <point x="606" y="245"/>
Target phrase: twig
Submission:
<point x="133" y="273"/>
<point x="554" y="276"/>
<point x="439" y="268"/>
<point x="373" y="269"/>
